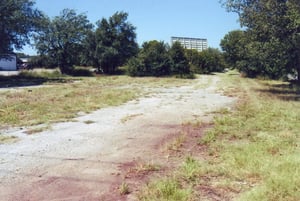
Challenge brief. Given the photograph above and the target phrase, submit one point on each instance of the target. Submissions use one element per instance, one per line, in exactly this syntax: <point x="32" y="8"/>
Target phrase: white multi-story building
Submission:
<point x="191" y="43"/>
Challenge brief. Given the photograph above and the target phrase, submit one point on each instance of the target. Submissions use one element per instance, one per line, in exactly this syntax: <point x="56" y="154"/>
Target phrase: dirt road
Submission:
<point x="83" y="159"/>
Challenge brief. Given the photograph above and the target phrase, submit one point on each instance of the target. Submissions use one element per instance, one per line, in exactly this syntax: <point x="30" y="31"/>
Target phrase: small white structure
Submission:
<point x="8" y="62"/>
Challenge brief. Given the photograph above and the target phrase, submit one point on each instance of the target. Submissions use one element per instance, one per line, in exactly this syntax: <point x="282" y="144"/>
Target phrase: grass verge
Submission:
<point x="251" y="153"/>
<point x="258" y="144"/>
<point x="165" y="190"/>
<point x="63" y="97"/>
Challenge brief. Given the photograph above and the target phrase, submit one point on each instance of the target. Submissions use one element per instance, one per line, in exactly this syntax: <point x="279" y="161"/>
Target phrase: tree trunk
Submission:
<point x="65" y="69"/>
<point x="298" y="68"/>
<point x="298" y="74"/>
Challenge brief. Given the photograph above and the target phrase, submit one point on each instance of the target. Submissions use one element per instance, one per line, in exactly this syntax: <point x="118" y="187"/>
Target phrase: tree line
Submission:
<point x="70" y="39"/>
<point x="269" y="44"/>
<point x="156" y="58"/>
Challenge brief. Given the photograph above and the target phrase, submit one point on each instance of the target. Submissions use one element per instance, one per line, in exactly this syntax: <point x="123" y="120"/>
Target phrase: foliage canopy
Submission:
<point x="61" y="38"/>
<point x="18" y="21"/>
<point x="111" y="44"/>
<point x="271" y="41"/>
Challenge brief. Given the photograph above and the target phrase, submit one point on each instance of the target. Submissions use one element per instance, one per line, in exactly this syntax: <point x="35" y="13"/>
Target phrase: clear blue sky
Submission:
<point x="156" y="19"/>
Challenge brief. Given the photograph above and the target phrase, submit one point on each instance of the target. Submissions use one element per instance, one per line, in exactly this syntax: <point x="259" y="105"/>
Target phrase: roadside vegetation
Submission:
<point x="70" y="39"/>
<point x="268" y="45"/>
<point x="251" y="152"/>
<point x="63" y="97"/>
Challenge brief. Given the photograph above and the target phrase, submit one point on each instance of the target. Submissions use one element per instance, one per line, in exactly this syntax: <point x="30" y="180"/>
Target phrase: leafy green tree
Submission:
<point x="242" y="53"/>
<point x="273" y="27"/>
<point x="252" y="57"/>
<point x="136" y="67"/>
<point x="179" y="62"/>
<point x="156" y="58"/>
<point x="233" y="45"/>
<point x="211" y="60"/>
<point x="194" y="59"/>
<point x="112" y="44"/>
<point x="61" y="39"/>
<point x="206" y="61"/>
<point x="294" y="36"/>
<point x="18" y="21"/>
<point x="42" y="61"/>
<point x="152" y="60"/>
<point x="88" y="56"/>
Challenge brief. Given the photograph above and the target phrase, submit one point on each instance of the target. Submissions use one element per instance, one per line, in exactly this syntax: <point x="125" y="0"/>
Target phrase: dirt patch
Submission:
<point x="137" y="173"/>
<point x="129" y="143"/>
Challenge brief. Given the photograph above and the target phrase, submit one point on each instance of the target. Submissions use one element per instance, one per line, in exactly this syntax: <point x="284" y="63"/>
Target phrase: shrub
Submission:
<point x="136" y="67"/>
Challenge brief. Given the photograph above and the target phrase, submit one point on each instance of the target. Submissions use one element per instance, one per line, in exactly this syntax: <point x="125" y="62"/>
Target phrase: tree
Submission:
<point x="179" y="61"/>
<point x="61" y="38"/>
<point x="112" y="44"/>
<point x="211" y="60"/>
<point x="273" y="27"/>
<point x="233" y="45"/>
<point x="88" y="56"/>
<point x="42" y="61"/>
<point x="152" y="60"/>
<point x="241" y="53"/>
<point x="206" y="61"/>
<point x="136" y="67"/>
<point x="156" y="58"/>
<point x="194" y="59"/>
<point x="294" y="37"/>
<point x="18" y="20"/>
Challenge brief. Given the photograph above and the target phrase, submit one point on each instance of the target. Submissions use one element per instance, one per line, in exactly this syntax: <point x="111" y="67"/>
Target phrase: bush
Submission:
<point x="180" y="65"/>
<point x="42" y="61"/>
<point x="136" y="67"/>
<point x="85" y="72"/>
<point x="211" y="60"/>
<point x="152" y="60"/>
<point x="156" y="59"/>
<point x="207" y="61"/>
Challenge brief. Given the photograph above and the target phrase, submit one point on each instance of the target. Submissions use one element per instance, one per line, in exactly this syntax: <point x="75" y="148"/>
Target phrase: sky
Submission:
<point x="155" y="19"/>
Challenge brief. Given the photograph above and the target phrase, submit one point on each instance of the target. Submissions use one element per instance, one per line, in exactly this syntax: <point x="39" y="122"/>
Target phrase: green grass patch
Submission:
<point x="177" y="143"/>
<point x="258" y="144"/>
<point x="252" y="152"/>
<point x="42" y="74"/>
<point x="124" y="188"/>
<point x="166" y="190"/>
<point x="60" y="101"/>
<point x="191" y="170"/>
<point x="146" y="167"/>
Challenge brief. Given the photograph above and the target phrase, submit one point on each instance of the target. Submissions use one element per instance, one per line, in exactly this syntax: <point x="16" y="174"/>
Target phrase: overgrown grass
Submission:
<point x="177" y="186"/>
<point x="60" y="101"/>
<point x="176" y="143"/>
<point x="124" y="188"/>
<point x="253" y="152"/>
<point x="191" y="170"/>
<point x="258" y="144"/>
<point x="55" y="73"/>
<point x="166" y="190"/>
<point x="146" y="167"/>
